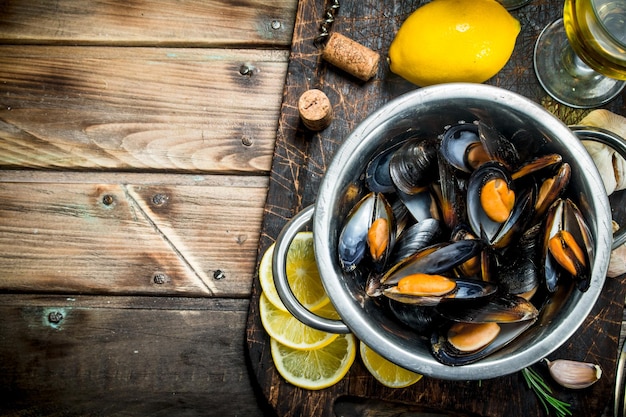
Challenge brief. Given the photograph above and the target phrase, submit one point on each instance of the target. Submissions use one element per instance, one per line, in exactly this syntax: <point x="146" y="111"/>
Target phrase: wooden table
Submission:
<point x="136" y="141"/>
<point x="137" y="149"/>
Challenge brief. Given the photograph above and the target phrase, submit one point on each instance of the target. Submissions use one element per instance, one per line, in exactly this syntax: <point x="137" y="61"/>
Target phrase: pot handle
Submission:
<point x="279" y="264"/>
<point x="614" y="141"/>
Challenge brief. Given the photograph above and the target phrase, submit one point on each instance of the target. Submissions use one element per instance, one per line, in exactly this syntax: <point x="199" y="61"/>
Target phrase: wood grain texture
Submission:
<point x="122" y="238"/>
<point x="180" y="110"/>
<point x="124" y="356"/>
<point x="300" y="160"/>
<point x="140" y="23"/>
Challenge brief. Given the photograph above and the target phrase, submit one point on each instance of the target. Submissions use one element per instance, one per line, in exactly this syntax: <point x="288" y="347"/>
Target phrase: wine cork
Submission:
<point x="351" y="56"/>
<point x="315" y="109"/>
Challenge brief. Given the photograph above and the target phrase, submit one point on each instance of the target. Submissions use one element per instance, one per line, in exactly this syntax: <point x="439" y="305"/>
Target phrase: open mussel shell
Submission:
<point x="450" y="192"/>
<point x="447" y="354"/>
<point x="435" y="259"/>
<point x="550" y="175"/>
<point x="501" y="308"/>
<point x="377" y="176"/>
<point x="564" y="216"/>
<point x="497" y="233"/>
<point x="368" y="229"/>
<point x="461" y="147"/>
<point x="465" y="290"/>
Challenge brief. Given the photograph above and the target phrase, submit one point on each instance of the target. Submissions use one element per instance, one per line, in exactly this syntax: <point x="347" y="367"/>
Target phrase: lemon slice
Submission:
<point x="327" y="311"/>
<point x="315" y="369"/>
<point x="387" y="373"/>
<point x="290" y="331"/>
<point x="302" y="274"/>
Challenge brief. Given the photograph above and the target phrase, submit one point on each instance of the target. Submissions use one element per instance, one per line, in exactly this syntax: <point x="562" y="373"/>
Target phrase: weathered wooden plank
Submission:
<point x="183" y="110"/>
<point x="161" y="22"/>
<point x="123" y="356"/>
<point x="121" y="238"/>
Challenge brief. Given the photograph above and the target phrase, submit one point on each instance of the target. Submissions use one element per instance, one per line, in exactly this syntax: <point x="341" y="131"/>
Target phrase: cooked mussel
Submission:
<point x="461" y="147"/>
<point x="501" y="308"/>
<point x="567" y="245"/>
<point x="439" y="258"/>
<point x="413" y="165"/>
<point x="369" y="229"/>
<point x="496" y="211"/>
<point x="432" y="289"/>
<point x="377" y="176"/>
<point x="478" y="329"/>
<point x="497" y="146"/>
<point x="473" y="341"/>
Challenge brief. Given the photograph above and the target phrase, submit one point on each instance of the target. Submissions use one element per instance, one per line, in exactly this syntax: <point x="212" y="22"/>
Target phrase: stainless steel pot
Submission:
<point x="427" y="111"/>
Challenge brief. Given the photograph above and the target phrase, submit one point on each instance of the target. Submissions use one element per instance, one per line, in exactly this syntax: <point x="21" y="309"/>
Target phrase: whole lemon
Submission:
<point x="454" y="41"/>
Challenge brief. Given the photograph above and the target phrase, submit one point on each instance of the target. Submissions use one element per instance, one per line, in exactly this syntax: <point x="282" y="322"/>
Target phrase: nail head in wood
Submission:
<point x="55" y="317"/>
<point x="159" y="199"/>
<point x="315" y="109"/>
<point x="107" y="199"/>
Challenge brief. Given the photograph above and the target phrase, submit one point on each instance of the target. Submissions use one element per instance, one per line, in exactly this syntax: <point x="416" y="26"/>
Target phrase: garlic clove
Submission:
<point x="610" y="163"/>
<point x="606" y="161"/>
<point x="617" y="262"/>
<point x="574" y="374"/>
<point x="606" y="120"/>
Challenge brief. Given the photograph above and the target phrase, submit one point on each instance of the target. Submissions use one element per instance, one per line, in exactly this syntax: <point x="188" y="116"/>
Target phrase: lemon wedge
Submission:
<point x="288" y="330"/>
<point x="387" y="373"/>
<point x="302" y="274"/>
<point x="318" y="368"/>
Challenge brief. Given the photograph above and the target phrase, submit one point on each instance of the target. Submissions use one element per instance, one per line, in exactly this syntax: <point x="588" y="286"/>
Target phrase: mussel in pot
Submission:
<point x="489" y="238"/>
<point x="567" y="246"/>
<point x="369" y="230"/>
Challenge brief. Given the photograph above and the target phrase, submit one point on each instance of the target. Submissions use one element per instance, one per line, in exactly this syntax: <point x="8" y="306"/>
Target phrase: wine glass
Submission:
<point x="580" y="60"/>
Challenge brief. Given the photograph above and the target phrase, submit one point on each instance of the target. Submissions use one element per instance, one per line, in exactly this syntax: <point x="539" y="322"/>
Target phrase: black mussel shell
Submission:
<point x="519" y="277"/>
<point x="353" y="240"/>
<point x="421" y="319"/>
<point x="413" y="166"/>
<point x="415" y="238"/>
<point x="422" y="204"/>
<point x="458" y="145"/>
<point x="451" y="193"/>
<point x="435" y="259"/>
<point x="564" y="215"/>
<point x="352" y="243"/>
<point x="377" y="176"/>
<point x="466" y="290"/>
<point x="501" y="308"/>
<point x="447" y="354"/>
<point x="494" y="233"/>
<point x="498" y="147"/>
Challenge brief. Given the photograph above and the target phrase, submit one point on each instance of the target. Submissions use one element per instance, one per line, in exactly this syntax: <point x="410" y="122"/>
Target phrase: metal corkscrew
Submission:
<point x="327" y="23"/>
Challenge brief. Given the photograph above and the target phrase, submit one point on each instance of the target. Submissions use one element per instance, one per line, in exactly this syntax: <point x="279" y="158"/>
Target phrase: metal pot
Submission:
<point x="428" y="110"/>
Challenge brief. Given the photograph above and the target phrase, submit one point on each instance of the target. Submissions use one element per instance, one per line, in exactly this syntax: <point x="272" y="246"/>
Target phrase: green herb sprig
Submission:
<point x="536" y="383"/>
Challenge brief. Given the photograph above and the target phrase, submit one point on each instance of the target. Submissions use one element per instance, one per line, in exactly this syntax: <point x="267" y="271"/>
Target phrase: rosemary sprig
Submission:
<point x="536" y="383"/>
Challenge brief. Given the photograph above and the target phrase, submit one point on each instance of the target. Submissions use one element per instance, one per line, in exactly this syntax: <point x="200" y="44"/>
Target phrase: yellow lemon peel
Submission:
<point x="454" y="41"/>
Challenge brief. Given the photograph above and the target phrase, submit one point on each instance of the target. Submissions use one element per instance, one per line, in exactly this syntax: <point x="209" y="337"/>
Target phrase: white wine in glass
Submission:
<point x="580" y="60"/>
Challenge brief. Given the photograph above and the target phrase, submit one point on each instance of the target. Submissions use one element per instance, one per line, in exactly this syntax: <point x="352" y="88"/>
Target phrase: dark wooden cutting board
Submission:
<point x="300" y="160"/>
